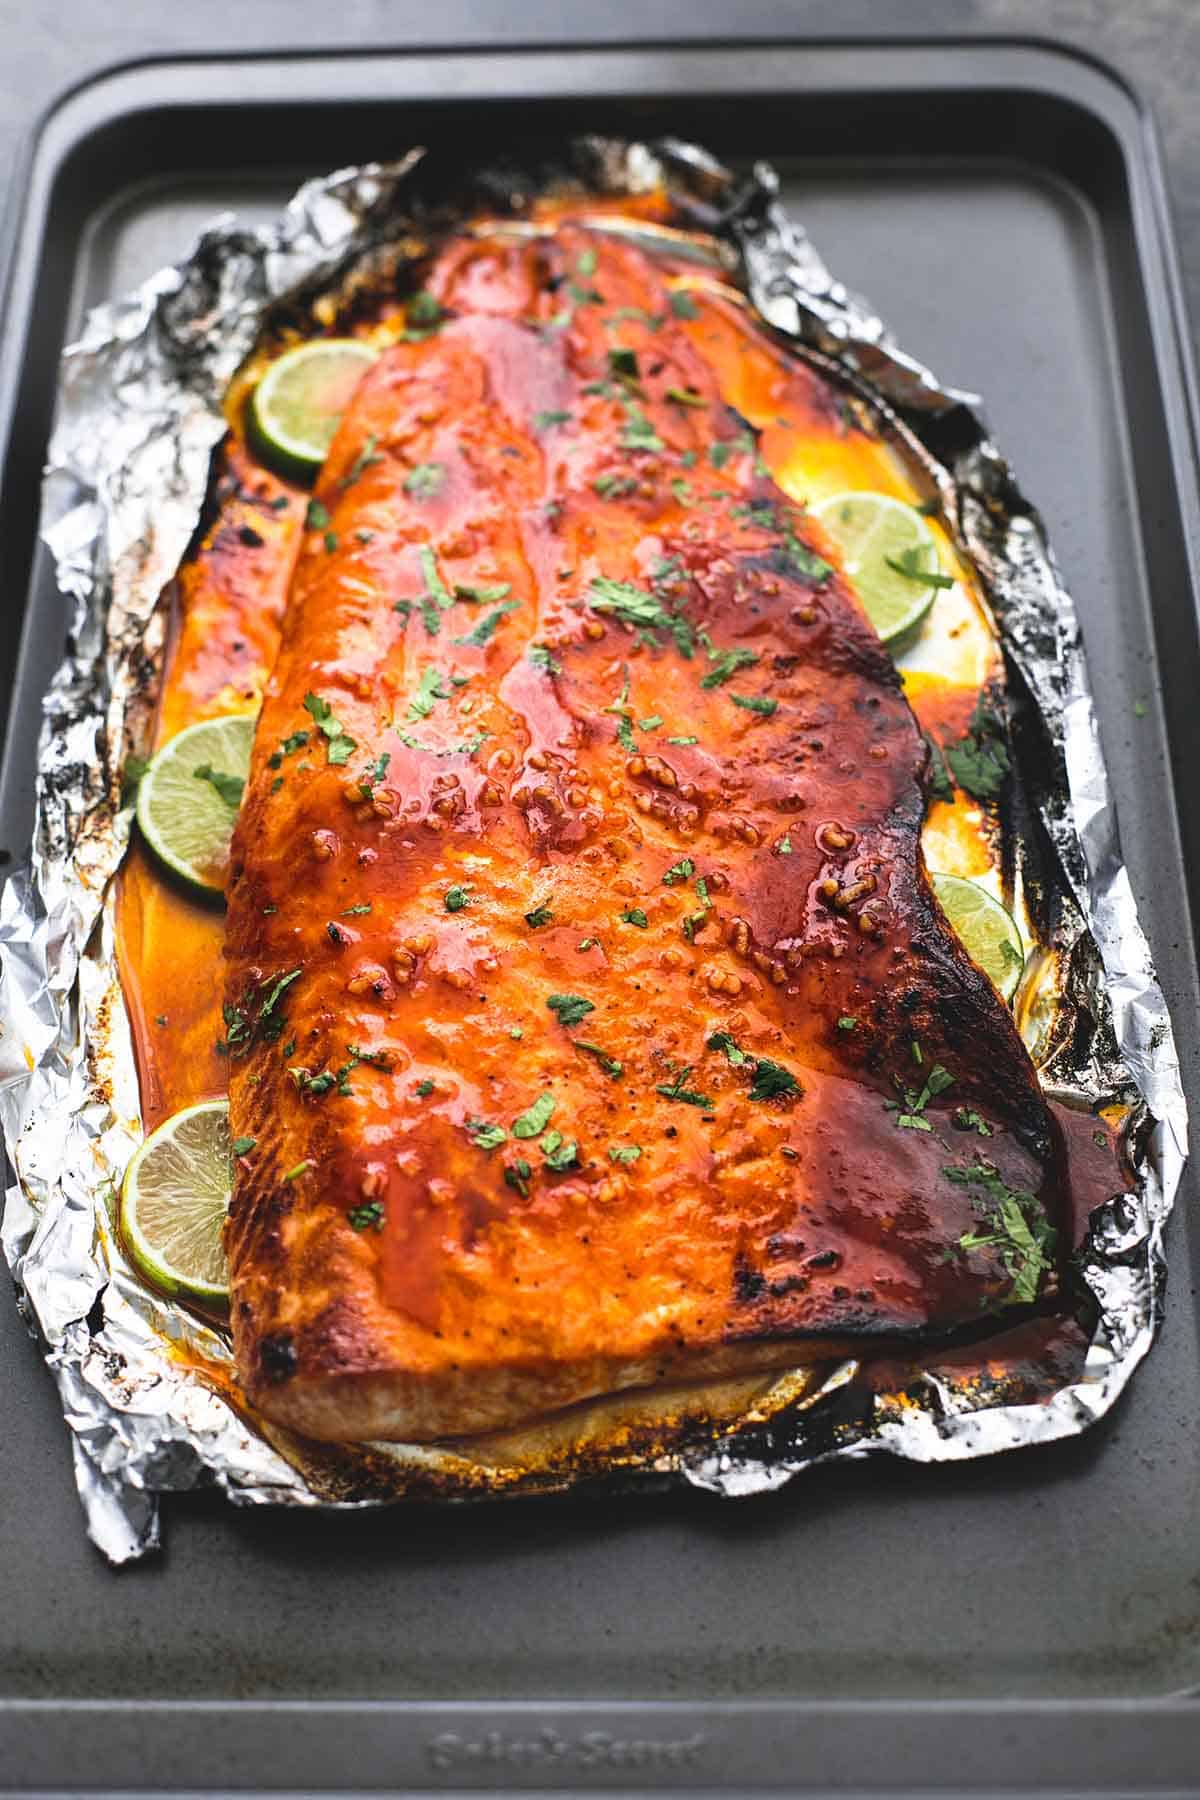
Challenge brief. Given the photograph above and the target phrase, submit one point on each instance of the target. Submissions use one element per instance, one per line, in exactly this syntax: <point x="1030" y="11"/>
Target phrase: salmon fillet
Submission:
<point x="590" y="1019"/>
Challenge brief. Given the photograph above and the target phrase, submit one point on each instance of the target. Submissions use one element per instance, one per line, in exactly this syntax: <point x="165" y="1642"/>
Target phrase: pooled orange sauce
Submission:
<point x="228" y="609"/>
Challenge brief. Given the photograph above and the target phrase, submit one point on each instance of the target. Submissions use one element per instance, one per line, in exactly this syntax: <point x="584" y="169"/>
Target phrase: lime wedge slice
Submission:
<point x="988" y="930"/>
<point x="885" y="548"/>
<point x="298" y="405"/>
<point x="187" y="803"/>
<point x="173" y="1203"/>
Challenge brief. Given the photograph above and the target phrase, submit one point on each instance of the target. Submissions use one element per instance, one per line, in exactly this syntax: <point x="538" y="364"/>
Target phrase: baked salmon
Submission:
<point x="590" y="1020"/>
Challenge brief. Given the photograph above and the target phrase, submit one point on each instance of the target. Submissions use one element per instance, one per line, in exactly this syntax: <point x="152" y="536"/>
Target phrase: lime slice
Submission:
<point x="885" y="547"/>
<point x="298" y="405"/>
<point x="173" y="1203"/>
<point x="988" y="930"/>
<point x="188" y="799"/>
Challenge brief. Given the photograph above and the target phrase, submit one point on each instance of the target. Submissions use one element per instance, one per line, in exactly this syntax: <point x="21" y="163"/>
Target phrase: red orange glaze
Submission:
<point x="399" y="1267"/>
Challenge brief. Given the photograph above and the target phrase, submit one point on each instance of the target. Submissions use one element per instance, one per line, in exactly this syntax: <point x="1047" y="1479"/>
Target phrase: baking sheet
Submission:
<point x="828" y="1596"/>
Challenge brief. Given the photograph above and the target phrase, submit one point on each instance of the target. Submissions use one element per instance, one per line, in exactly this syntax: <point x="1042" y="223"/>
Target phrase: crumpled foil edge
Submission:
<point x="139" y="416"/>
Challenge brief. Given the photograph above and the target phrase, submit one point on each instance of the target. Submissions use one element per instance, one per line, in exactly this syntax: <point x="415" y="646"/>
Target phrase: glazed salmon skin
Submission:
<point x="589" y="1017"/>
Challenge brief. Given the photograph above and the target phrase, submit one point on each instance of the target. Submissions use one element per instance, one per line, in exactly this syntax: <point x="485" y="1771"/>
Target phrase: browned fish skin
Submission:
<point x="691" y="800"/>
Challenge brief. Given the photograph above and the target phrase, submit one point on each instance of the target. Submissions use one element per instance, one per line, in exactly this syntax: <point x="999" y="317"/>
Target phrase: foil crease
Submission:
<point x="139" y="416"/>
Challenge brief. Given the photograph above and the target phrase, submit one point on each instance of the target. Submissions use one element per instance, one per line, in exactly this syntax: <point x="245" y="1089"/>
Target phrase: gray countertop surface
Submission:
<point x="48" y="48"/>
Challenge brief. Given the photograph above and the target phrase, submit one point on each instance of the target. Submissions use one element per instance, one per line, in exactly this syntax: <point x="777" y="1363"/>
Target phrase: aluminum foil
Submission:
<point x="146" y="1388"/>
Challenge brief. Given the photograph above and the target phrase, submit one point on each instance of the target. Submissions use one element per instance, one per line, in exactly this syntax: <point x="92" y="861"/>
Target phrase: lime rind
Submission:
<point x="873" y="533"/>
<point x="174" y="1199"/>
<point x="185" y="821"/>
<point x="987" y="930"/>
<point x="298" y="405"/>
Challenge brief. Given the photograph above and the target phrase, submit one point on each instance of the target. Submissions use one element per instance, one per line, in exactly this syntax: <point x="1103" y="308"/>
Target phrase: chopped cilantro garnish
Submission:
<point x="331" y="541"/>
<point x="425" y="480"/>
<point x="585" y="263"/>
<point x="638" y="434"/>
<point x="721" y="1040"/>
<point x="569" y="1008"/>
<point x="980" y="762"/>
<point x="457" y="898"/>
<point x="686" y="397"/>
<point x="541" y="658"/>
<point x="541" y="915"/>
<point x="633" y="915"/>
<point x="683" y="870"/>
<point x="429" y="691"/>
<point x="683" y="740"/>
<point x="295" y="741"/>
<point x="772" y="1081"/>
<point x="910" y="565"/>
<point x="229" y="787"/>
<point x="425" y="317"/>
<point x="497" y="591"/>
<point x="424" y="1089"/>
<point x="755" y="703"/>
<point x="560" y="1153"/>
<point x="633" y="604"/>
<point x="535" y="1119"/>
<point x="485" y="1136"/>
<point x="784" y="846"/>
<point x="374" y="775"/>
<point x="486" y="628"/>
<point x="316" y="516"/>
<point x="726" y="664"/>
<point x="1020" y="1232"/>
<point x="650" y="724"/>
<point x="623" y="363"/>
<point x="337" y="745"/>
<point x="542" y="421"/>
<point x="847" y="1023"/>
<point x="965" y="1118"/>
<point x="352" y="912"/>
<point x="911" y="1116"/>
<point x="366" y="459"/>
<point x="608" y="1063"/>
<point x="675" y="1090"/>
<point x="683" y="306"/>
<point x="624" y="1153"/>
<point x="614" y="487"/>
<point x="516" y="1175"/>
<point x="367" y="1217"/>
<point x="243" y="1146"/>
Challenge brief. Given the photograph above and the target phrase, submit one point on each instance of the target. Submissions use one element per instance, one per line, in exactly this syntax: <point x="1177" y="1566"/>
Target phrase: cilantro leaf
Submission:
<point x="624" y="1153"/>
<point x="569" y="1008"/>
<point x="755" y="703"/>
<point x="535" y="1119"/>
<point x="683" y="870"/>
<point x="485" y="1136"/>
<point x="772" y="1081"/>
<point x="726" y="664"/>
<point x="633" y="915"/>
<point x="909" y="564"/>
<point x="608" y="1063"/>
<point x="486" y="628"/>
<point x="675" y="1090"/>
<point x="429" y="690"/>
<point x="425" y="480"/>
<point x="367" y="1217"/>
<point x="541" y="915"/>
<point x="980" y="761"/>
<point x="229" y="787"/>
<point x="457" y="897"/>
<point x="683" y="306"/>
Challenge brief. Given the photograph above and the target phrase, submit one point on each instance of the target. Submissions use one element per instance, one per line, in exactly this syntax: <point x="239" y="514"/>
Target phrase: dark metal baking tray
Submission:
<point x="1005" y="1626"/>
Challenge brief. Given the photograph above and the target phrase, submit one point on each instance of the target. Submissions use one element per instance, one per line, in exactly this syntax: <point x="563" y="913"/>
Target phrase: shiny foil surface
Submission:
<point x="147" y="1389"/>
